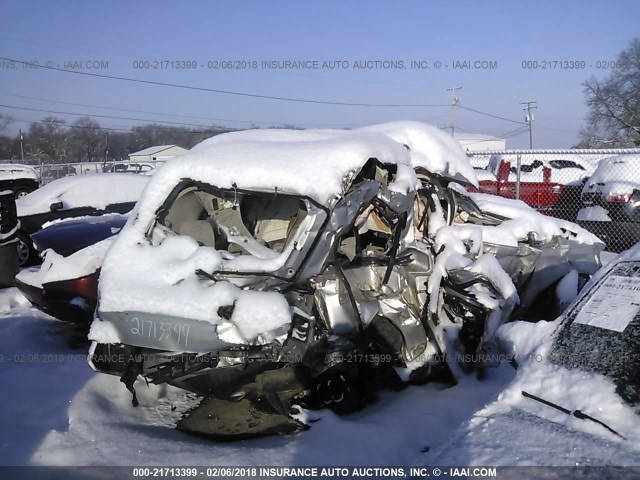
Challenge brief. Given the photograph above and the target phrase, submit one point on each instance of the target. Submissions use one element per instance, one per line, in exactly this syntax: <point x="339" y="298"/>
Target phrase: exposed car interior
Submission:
<point x="240" y="223"/>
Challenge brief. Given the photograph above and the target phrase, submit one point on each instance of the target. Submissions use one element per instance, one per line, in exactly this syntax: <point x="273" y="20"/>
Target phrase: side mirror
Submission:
<point x="54" y="207"/>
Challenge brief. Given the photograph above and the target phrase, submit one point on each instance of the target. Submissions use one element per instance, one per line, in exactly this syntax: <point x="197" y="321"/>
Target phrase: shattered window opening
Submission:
<point x="258" y="224"/>
<point x="371" y="235"/>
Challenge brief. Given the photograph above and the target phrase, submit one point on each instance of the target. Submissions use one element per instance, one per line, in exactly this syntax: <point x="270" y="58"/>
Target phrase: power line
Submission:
<point x="512" y="133"/>
<point x="103" y="116"/>
<point x="490" y="115"/>
<point x="129" y="128"/>
<point x="267" y="97"/>
<point x="226" y="92"/>
<point x="163" y="114"/>
<point x="515" y="132"/>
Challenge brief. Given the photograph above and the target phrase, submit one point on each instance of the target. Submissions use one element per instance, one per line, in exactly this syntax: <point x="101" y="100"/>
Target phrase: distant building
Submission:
<point x="159" y="152"/>
<point x="473" y="142"/>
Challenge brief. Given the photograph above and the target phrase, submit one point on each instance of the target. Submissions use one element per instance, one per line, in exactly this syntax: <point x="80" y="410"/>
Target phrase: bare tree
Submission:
<point x="47" y="139"/>
<point x="6" y="142"/>
<point x="614" y="103"/>
<point x="86" y="140"/>
<point x="5" y="121"/>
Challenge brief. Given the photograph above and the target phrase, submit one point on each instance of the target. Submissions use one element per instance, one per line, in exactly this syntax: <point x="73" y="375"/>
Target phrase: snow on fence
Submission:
<point x="598" y="189"/>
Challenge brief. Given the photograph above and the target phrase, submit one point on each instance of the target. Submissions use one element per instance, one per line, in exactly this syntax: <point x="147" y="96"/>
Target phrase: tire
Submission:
<point x="21" y="192"/>
<point x="340" y="389"/>
<point x="23" y="187"/>
<point x="27" y="254"/>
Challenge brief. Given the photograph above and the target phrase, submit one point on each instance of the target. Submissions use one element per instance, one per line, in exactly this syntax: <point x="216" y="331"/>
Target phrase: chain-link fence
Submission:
<point x="598" y="189"/>
<point x="52" y="171"/>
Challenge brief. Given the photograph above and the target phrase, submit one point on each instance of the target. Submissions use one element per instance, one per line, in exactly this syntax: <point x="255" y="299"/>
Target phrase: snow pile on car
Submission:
<point x="304" y="162"/>
<point x="96" y="190"/>
<point x="56" y="268"/>
<point x="523" y="221"/>
<point x="618" y="175"/>
<point x="167" y="272"/>
<point x="573" y="389"/>
<point x="430" y="147"/>
<point x="12" y="171"/>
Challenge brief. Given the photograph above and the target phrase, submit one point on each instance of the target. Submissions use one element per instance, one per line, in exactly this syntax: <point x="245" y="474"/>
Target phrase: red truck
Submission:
<point x="536" y="188"/>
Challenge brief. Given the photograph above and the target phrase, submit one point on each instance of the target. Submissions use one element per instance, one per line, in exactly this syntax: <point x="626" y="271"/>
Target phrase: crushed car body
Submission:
<point x="272" y="268"/>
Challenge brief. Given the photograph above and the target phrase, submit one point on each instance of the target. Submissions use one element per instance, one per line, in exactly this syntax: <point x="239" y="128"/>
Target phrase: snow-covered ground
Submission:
<point x="55" y="411"/>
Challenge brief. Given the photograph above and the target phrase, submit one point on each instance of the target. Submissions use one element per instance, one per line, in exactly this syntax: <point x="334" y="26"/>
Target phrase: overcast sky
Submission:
<point x="150" y="40"/>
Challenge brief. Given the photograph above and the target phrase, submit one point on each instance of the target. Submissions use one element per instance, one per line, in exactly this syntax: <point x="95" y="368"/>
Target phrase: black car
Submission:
<point x="70" y="197"/>
<point x="601" y="333"/>
<point x="8" y="230"/>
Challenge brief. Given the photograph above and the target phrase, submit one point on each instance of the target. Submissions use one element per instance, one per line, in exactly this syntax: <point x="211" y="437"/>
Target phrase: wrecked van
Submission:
<point x="267" y="269"/>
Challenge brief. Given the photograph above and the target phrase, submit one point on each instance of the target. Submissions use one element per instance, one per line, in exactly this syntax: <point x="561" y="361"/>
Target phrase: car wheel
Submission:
<point x="27" y="254"/>
<point x="21" y="192"/>
<point x="339" y="388"/>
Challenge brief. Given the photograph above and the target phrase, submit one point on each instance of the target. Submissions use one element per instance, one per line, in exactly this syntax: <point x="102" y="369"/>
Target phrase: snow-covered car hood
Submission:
<point x="56" y="268"/>
<point x="72" y="248"/>
<point x="96" y="190"/>
<point x="501" y="435"/>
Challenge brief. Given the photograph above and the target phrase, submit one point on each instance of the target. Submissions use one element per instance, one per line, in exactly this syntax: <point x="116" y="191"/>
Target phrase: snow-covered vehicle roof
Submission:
<point x="11" y="171"/>
<point x="618" y="175"/>
<point x="313" y="163"/>
<point x="89" y="190"/>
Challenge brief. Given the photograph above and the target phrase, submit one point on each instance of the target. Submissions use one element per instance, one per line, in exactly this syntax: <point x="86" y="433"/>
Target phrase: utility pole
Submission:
<point x="454" y="103"/>
<point x="528" y="106"/>
<point x="21" y="148"/>
<point x="106" y="147"/>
